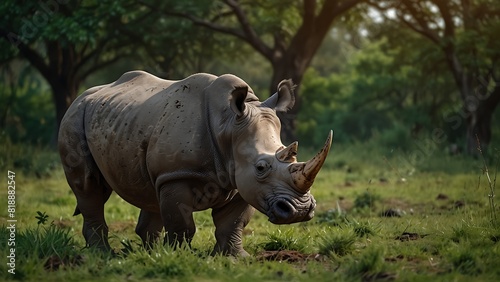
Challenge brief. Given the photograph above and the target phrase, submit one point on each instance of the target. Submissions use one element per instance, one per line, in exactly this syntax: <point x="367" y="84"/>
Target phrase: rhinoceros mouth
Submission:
<point x="286" y="211"/>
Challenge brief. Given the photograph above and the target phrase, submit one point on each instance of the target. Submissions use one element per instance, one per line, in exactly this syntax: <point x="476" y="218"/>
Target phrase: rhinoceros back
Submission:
<point x="141" y="126"/>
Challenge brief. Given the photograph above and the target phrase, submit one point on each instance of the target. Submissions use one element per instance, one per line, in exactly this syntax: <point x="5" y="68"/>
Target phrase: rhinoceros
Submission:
<point x="171" y="148"/>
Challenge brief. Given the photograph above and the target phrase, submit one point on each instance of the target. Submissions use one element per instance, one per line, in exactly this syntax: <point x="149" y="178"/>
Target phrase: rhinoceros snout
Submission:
<point x="284" y="212"/>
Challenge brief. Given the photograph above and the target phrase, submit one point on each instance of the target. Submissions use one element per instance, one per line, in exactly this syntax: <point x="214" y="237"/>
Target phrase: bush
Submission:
<point x="465" y="262"/>
<point x="32" y="160"/>
<point x="369" y="264"/>
<point x="337" y="243"/>
<point x="46" y="242"/>
<point x="363" y="229"/>
<point x="278" y="241"/>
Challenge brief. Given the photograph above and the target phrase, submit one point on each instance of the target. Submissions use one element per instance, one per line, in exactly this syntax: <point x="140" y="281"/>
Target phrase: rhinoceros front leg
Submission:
<point x="229" y="221"/>
<point x="176" y="210"/>
<point x="149" y="227"/>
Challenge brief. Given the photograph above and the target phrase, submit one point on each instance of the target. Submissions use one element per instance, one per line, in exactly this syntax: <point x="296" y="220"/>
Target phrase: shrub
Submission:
<point x="369" y="264"/>
<point x="465" y="262"/>
<point x="363" y="229"/>
<point x="337" y="243"/>
<point x="46" y="242"/>
<point x="278" y="241"/>
<point x="32" y="160"/>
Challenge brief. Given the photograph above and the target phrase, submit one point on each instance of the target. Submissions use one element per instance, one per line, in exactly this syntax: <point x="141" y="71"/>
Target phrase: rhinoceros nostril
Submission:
<point x="284" y="207"/>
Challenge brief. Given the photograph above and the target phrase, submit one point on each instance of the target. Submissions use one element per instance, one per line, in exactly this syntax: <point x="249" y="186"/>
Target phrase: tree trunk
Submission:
<point x="64" y="92"/>
<point x="285" y="69"/>
<point x="478" y="132"/>
<point x="479" y="103"/>
<point x="478" y="120"/>
<point x="293" y="63"/>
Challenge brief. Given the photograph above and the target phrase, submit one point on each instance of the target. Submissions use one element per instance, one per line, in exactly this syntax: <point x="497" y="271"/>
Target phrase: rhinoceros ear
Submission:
<point x="284" y="99"/>
<point x="238" y="97"/>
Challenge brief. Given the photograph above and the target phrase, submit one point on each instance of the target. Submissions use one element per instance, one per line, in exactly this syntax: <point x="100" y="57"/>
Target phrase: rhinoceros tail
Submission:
<point x="77" y="211"/>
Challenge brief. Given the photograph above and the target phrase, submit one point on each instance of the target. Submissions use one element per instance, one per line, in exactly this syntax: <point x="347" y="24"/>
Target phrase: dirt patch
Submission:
<point x="392" y="213"/>
<point x="63" y="223"/>
<point x="289" y="256"/>
<point x="121" y="226"/>
<point x="407" y="236"/>
<point x="380" y="276"/>
<point x="396" y="203"/>
<point x="54" y="262"/>
<point x="442" y="197"/>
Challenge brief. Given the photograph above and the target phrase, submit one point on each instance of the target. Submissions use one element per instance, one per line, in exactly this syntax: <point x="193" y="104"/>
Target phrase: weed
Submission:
<point x="41" y="217"/>
<point x="363" y="229"/>
<point x="465" y="262"/>
<point x="46" y="242"/>
<point x="278" y="241"/>
<point x="366" y="200"/>
<point x="491" y="184"/>
<point x="460" y="233"/>
<point x="337" y="243"/>
<point x="369" y="265"/>
<point x="333" y="217"/>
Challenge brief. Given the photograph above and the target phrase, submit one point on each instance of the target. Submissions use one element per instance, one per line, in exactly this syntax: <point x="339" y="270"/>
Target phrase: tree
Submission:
<point x="70" y="42"/>
<point x="465" y="32"/>
<point x="67" y="41"/>
<point x="383" y="93"/>
<point x="287" y="34"/>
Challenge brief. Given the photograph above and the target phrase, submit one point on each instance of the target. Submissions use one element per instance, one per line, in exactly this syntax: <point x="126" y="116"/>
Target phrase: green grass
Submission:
<point x="446" y="231"/>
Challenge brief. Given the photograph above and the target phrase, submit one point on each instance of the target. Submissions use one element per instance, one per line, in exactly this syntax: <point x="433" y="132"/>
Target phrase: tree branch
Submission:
<point x="314" y="27"/>
<point x="309" y="14"/>
<point x="444" y="10"/>
<point x="420" y="26"/>
<point x="96" y="67"/>
<point x="250" y="35"/>
<point x="35" y="60"/>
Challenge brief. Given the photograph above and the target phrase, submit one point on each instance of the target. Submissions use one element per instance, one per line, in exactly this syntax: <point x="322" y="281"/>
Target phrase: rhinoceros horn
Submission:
<point x="287" y="155"/>
<point x="303" y="174"/>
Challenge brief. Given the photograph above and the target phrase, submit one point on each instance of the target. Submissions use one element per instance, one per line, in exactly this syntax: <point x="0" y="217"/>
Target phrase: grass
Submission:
<point x="446" y="230"/>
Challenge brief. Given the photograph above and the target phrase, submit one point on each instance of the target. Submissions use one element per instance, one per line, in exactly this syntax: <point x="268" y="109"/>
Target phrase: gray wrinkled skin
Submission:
<point x="171" y="148"/>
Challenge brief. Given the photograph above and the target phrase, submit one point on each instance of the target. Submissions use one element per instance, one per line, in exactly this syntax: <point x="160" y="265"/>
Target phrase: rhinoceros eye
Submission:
<point x="262" y="169"/>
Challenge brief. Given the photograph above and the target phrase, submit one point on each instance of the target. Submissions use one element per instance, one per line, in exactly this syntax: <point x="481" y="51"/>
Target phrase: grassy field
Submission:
<point x="381" y="216"/>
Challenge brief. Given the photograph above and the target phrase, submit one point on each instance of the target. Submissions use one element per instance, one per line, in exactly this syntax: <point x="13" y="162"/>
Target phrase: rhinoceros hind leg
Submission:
<point x="95" y="229"/>
<point x="229" y="221"/>
<point x="149" y="227"/>
<point x="91" y="191"/>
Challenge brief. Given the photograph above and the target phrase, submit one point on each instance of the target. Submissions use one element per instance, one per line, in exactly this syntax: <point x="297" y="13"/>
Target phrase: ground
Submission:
<point x="376" y="219"/>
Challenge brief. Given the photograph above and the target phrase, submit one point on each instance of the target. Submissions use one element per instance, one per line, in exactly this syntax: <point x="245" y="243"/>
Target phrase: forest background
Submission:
<point x="399" y="74"/>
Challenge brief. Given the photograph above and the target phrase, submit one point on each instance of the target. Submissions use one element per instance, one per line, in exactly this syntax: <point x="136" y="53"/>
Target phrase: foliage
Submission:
<point x="366" y="200"/>
<point x="364" y="229"/>
<point x="369" y="80"/>
<point x="337" y="242"/>
<point x="28" y="110"/>
<point x="285" y="240"/>
<point x="382" y="94"/>
<point x="45" y="242"/>
<point x="32" y="160"/>
<point x="463" y="37"/>
<point x="333" y="217"/>
<point x="369" y="264"/>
